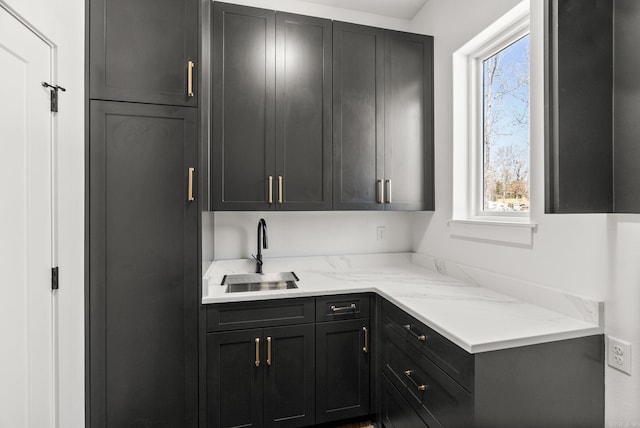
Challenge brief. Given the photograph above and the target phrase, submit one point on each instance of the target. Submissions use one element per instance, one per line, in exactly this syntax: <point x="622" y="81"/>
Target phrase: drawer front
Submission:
<point x="342" y="307"/>
<point x="455" y="361"/>
<point x="396" y="411"/>
<point x="434" y="394"/>
<point x="268" y="313"/>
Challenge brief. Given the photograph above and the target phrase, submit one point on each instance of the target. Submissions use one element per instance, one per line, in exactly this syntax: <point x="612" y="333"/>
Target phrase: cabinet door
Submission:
<point x="143" y="293"/>
<point x="289" y="389"/>
<point x="303" y="112"/>
<point x="395" y="412"/>
<point x="626" y="107"/>
<point x="358" y="125"/>
<point x="579" y="164"/>
<point x="342" y="376"/>
<point x="140" y="50"/>
<point x="235" y="378"/>
<point x="243" y="133"/>
<point x="408" y="112"/>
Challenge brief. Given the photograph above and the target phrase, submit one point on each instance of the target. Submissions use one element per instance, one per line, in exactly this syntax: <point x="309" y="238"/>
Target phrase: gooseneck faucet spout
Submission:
<point x="262" y="230"/>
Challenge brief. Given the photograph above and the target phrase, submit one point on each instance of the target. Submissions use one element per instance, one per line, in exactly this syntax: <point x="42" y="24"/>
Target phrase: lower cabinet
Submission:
<point x="343" y="353"/>
<point x="428" y="381"/>
<point x="288" y="362"/>
<point x="261" y="377"/>
<point x="142" y="246"/>
<point x="395" y="411"/>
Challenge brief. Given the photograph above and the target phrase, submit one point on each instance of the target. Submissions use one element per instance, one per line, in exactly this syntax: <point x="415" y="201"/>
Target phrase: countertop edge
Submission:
<point x="468" y="347"/>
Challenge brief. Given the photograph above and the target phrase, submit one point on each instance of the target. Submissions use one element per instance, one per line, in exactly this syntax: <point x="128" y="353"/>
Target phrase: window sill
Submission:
<point x="513" y="231"/>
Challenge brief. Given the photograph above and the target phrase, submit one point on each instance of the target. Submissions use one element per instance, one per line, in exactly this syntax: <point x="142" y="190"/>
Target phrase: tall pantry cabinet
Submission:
<point x="142" y="288"/>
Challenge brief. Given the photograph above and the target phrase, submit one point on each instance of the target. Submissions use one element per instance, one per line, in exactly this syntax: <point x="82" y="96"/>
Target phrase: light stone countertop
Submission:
<point x="475" y="318"/>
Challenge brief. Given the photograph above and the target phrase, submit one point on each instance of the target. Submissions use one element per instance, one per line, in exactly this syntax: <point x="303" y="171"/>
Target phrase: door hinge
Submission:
<point x="54" y="278"/>
<point x="54" y="95"/>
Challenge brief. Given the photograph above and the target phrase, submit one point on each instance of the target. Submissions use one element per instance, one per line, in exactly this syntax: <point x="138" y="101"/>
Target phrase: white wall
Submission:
<point x="591" y="255"/>
<point x="62" y="22"/>
<point x="311" y="233"/>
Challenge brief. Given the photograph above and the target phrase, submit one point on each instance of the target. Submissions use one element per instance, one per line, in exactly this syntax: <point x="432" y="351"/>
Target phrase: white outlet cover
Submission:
<point x="619" y="354"/>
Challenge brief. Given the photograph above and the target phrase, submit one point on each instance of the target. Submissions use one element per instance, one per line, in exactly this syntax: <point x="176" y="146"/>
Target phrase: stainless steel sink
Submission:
<point x="260" y="281"/>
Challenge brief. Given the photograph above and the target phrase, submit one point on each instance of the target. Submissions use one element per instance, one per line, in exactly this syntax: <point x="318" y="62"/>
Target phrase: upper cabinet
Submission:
<point x="313" y="115"/>
<point x="592" y="122"/>
<point x="408" y="122"/>
<point x="144" y="51"/>
<point x="383" y="119"/>
<point x="626" y="133"/>
<point x="271" y="135"/>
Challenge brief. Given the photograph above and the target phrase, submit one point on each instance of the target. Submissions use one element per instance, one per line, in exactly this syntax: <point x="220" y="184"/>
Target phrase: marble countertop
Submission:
<point x="475" y="318"/>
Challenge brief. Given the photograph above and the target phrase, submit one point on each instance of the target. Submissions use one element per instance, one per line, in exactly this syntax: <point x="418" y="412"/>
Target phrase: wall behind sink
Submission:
<point x="232" y="235"/>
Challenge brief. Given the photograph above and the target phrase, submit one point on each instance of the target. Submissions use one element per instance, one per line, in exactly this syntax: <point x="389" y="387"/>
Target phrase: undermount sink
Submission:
<point x="260" y="281"/>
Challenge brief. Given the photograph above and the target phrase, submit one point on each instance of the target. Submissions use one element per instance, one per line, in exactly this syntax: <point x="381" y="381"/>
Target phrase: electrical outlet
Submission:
<point x="619" y="355"/>
<point x="380" y="233"/>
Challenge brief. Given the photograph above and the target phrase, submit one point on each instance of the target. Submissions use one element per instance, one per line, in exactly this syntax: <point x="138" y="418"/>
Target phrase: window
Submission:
<point x="504" y="128"/>
<point x="491" y="132"/>
<point x="491" y="121"/>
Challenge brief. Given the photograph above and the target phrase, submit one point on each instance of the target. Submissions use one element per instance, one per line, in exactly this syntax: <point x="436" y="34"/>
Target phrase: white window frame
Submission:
<point x="469" y="219"/>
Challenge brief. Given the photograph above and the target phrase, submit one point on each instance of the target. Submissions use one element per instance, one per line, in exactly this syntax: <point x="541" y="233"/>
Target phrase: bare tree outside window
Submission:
<point x="506" y="129"/>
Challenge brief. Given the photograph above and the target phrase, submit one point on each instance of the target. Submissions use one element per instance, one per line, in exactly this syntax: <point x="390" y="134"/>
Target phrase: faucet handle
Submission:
<point x="257" y="259"/>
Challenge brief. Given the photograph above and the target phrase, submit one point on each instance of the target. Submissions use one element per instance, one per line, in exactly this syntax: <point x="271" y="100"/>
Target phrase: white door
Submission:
<point x="26" y="317"/>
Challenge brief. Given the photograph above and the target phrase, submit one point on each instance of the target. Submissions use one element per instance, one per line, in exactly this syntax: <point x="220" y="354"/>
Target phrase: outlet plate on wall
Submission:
<point x="619" y="355"/>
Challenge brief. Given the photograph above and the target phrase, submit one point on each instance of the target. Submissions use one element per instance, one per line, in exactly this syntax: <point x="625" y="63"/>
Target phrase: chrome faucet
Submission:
<point x="262" y="229"/>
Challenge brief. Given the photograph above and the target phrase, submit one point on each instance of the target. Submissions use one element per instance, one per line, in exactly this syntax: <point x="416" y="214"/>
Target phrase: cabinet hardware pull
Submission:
<point x="420" y="337"/>
<point x="269" y="350"/>
<point x="190" y="66"/>
<point x="380" y="192"/>
<point x="257" y="362"/>
<point x="270" y="189"/>
<point x="388" y="191"/>
<point x="190" y="197"/>
<point x="420" y="387"/>
<point x="351" y="307"/>
<point x="365" y="348"/>
<point x="279" y="189"/>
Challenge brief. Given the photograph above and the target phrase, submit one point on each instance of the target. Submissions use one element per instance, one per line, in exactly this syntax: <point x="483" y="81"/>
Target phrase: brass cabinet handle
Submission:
<point x="380" y="192"/>
<point x="279" y="189"/>
<point x="270" y="189"/>
<point x="190" y="197"/>
<point x="365" y="348"/>
<point x="269" y="350"/>
<point x="351" y="307"/>
<point x="190" y="66"/>
<point x="388" y="191"/>
<point x="257" y="361"/>
<point x="420" y="337"/>
<point x="420" y="387"/>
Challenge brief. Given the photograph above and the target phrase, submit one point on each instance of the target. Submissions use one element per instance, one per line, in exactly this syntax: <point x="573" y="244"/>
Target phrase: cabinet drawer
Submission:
<point x="396" y="411"/>
<point x="455" y="361"/>
<point x="435" y="396"/>
<point x="243" y="315"/>
<point x="342" y="307"/>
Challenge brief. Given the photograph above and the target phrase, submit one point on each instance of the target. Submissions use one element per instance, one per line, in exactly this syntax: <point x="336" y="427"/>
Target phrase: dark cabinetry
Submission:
<point x="271" y="139"/>
<point x="592" y="129"/>
<point x="425" y="377"/>
<point x="314" y="115"/>
<point x="383" y="119"/>
<point x="343" y="355"/>
<point x="142" y="262"/>
<point x="293" y="370"/>
<point x="261" y="377"/>
<point x="143" y="249"/>
<point x="141" y="51"/>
